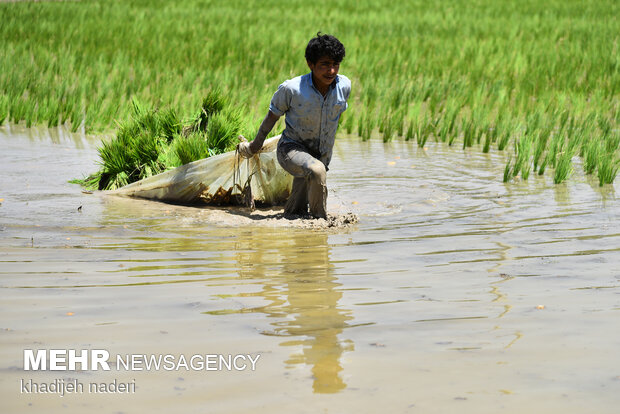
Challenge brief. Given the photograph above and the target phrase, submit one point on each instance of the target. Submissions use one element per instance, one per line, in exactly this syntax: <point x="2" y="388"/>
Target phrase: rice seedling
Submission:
<point x="421" y="131"/>
<point x="4" y="108"/>
<point x="523" y="150"/>
<point x="410" y="129"/>
<point x="543" y="165"/>
<point x="191" y="148"/>
<point x="607" y="168"/>
<point x="591" y="156"/>
<point x="369" y="124"/>
<point x="348" y="124"/>
<point x="508" y="171"/>
<point x="222" y="131"/>
<point x="360" y="126"/>
<point x="387" y="129"/>
<point x="612" y="142"/>
<point x="399" y="122"/>
<point x="563" y="167"/>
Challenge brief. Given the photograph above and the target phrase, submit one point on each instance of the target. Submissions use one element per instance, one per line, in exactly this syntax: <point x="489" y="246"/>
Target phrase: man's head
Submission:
<point x="324" y="54"/>
<point x="324" y="45"/>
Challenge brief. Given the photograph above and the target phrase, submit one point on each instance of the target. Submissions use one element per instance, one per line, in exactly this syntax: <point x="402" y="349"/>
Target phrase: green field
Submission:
<point x="537" y="79"/>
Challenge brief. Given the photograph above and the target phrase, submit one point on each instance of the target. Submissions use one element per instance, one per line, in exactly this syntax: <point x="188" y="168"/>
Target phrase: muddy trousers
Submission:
<point x="309" y="189"/>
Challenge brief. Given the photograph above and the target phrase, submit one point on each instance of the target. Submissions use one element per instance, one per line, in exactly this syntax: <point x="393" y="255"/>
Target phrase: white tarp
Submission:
<point x="219" y="180"/>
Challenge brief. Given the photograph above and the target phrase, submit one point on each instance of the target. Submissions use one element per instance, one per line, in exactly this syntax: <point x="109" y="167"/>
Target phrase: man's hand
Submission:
<point x="248" y="149"/>
<point x="244" y="148"/>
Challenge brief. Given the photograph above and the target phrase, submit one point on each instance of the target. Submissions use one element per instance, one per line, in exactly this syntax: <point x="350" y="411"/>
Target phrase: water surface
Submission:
<point x="453" y="292"/>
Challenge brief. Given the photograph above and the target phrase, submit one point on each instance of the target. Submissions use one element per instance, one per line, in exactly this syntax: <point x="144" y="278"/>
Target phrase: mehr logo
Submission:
<point x="97" y="359"/>
<point x="66" y="360"/>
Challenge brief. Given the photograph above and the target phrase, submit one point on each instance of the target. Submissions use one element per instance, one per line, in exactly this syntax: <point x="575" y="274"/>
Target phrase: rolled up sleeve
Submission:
<point x="281" y="100"/>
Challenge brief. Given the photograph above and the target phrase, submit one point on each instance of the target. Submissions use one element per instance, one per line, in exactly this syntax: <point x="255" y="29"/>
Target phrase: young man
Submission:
<point x="312" y="104"/>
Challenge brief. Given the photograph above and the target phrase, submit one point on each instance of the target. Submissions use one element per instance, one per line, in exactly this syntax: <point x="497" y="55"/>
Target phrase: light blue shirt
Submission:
<point x="311" y="119"/>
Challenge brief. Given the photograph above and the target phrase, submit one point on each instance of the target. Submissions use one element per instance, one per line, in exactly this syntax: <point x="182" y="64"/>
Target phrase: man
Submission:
<point x="312" y="105"/>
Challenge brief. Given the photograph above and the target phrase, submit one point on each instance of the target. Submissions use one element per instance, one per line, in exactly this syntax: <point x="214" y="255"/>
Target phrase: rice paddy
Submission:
<point x="538" y="81"/>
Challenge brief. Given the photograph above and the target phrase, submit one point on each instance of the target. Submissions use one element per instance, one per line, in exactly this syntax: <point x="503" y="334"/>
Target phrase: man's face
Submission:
<point x="324" y="71"/>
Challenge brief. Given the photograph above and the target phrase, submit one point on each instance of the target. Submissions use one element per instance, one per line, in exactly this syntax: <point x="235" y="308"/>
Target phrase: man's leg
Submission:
<point x="309" y="182"/>
<point x="317" y="190"/>
<point x="297" y="202"/>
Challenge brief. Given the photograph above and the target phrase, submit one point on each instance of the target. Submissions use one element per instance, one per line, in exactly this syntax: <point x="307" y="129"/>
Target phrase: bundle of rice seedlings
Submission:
<point x="135" y="152"/>
<point x="212" y="104"/>
<point x="191" y="148"/>
<point x="222" y="131"/>
<point x="153" y="141"/>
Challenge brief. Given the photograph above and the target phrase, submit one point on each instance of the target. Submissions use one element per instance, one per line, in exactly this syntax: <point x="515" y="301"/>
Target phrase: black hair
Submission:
<point x="324" y="45"/>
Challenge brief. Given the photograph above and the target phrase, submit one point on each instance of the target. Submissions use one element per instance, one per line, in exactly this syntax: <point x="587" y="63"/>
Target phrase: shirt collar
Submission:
<point x="331" y="86"/>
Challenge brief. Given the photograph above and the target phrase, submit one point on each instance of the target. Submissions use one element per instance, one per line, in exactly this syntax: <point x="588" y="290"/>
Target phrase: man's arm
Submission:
<point x="250" y="148"/>
<point x="265" y="128"/>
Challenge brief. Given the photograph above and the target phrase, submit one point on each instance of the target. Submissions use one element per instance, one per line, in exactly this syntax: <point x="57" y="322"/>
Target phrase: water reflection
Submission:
<point x="302" y="294"/>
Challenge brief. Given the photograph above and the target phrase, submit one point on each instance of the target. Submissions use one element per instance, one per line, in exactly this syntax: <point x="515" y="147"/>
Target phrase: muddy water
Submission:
<point x="453" y="293"/>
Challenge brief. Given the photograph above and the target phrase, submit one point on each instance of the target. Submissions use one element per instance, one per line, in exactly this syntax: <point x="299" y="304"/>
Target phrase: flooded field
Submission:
<point x="453" y="292"/>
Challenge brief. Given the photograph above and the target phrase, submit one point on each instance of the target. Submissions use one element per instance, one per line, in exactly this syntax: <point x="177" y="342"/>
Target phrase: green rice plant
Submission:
<point x="541" y="140"/>
<point x="212" y="104"/>
<point x="388" y="130"/>
<point x="591" y="156"/>
<point x="612" y="142"/>
<point x="532" y="123"/>
<point x="564" y="119"/>
<point x="118" y="164"/>
<point x="608" y="165"/>
<point x="557" y="143"/>
<point x="451" y="115"/>
<point x="432" y="127"/>
<point x="563" y="167"/>
<point x="360" y="125"/>
<point x="369" y="124"/>
<point x="489" y="134"/>
<point x="508" y="171"/>
<point x="604" y="125"/>
<point x="53" y="117"/>
<point x="444" y="131"/>
<point x="191" y="148"/>
<point x="169" y="124"/>
<point x="222" y="131"/>
<point x="523" y="150"/>
<point x="410" y="131"/>
<point x="4" y="108"/>
<point x="504" y="134"/>
<point x="453" y="136"/>
<point x="543" y="165"/>
<point x="487" y="143"/>
<point x="469" y="133"/>
<point x="348" y="124"/>
<point x="398" y="122"/>
<point x="421" y="131"/>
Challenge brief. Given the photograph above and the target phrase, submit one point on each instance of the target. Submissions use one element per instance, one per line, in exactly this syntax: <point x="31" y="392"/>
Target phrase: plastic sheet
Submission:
<point x="225" y="179"/>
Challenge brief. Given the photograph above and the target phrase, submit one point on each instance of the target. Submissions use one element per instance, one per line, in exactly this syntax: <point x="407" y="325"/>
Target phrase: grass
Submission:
<point x="484" y="73"/>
